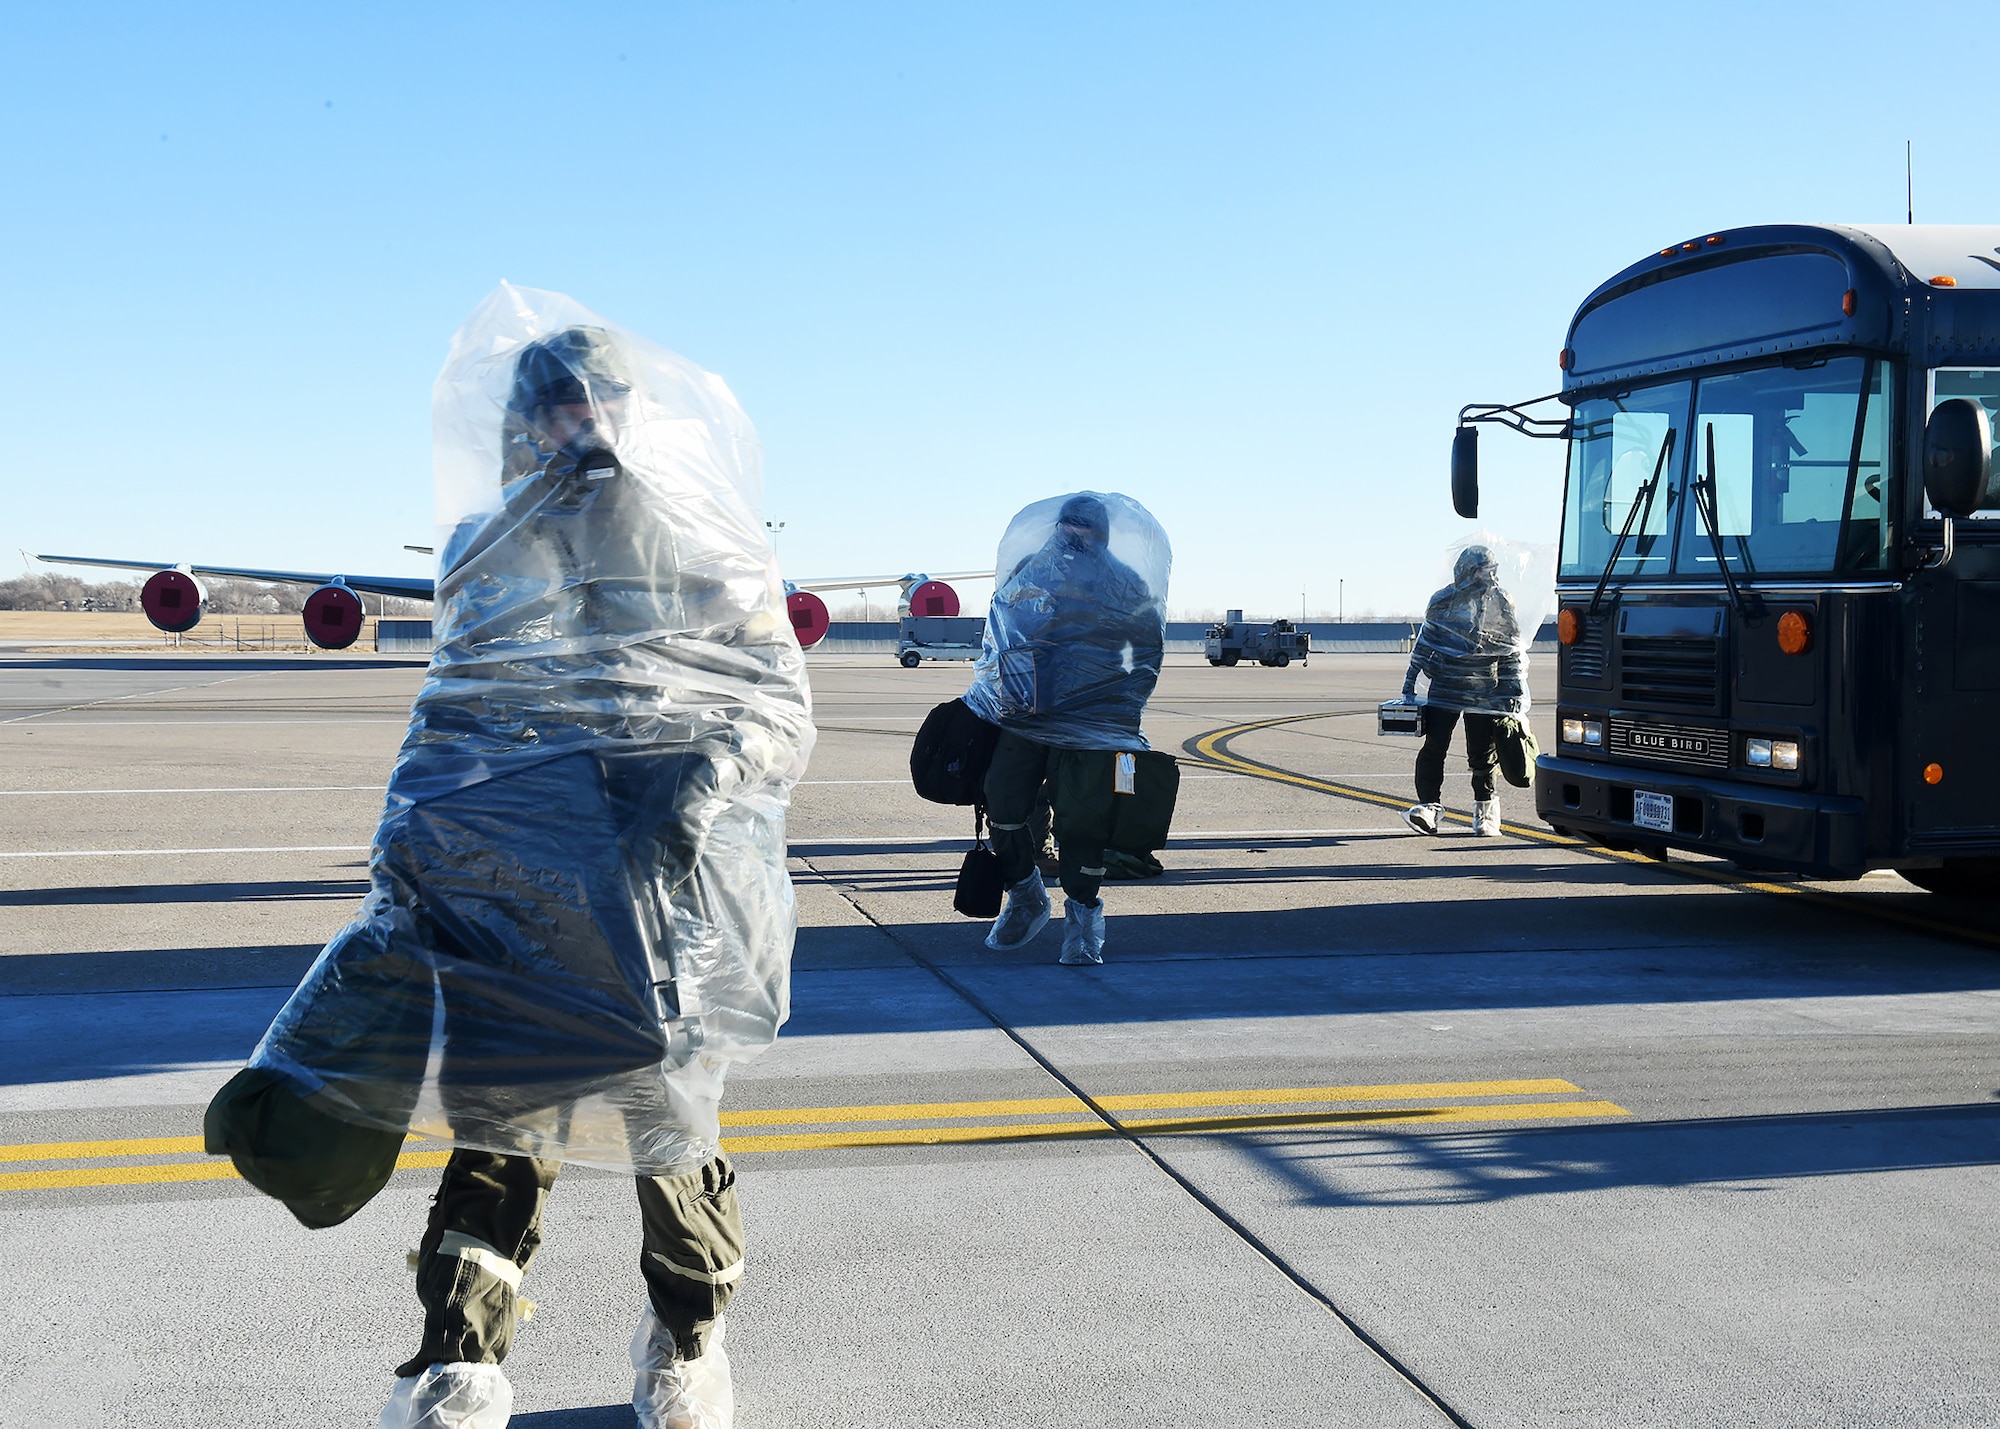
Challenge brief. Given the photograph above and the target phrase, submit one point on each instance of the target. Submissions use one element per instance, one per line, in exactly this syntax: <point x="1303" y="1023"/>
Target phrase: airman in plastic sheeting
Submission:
<point x="579" y="913"/>
<point x="485" y="1220"/>
<point x="1471" y="649"/>
<point x="1074" y="642"/>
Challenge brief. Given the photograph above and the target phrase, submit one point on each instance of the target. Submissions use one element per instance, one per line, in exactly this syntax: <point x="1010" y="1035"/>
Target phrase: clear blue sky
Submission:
<point x="1243" y="262"/>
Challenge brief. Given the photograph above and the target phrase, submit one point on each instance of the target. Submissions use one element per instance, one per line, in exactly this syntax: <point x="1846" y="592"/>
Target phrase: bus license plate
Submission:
<point x="1653" y="811"/>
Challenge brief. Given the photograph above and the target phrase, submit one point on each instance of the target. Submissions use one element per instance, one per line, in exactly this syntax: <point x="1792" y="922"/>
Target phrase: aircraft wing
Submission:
<point x="863" y="582"/>
<point x="411" y="587"/>
<point x="419" y="589"/>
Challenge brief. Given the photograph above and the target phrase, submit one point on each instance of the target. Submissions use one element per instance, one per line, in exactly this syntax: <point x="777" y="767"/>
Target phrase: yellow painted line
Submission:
<point x="159" y="1175"/>
<point x="1210" y="747"/>
<point x="1397" y="1116"/>
<point x="117" y="1176"/>
<point x="1393" y="1092"/>
<point x="74" y="1150"/>
<point x="905" y="1111"/>
<point x="1031" y="1106"/>
<point x="1046" y="1131"/>
<point x="1080" y="1122"/>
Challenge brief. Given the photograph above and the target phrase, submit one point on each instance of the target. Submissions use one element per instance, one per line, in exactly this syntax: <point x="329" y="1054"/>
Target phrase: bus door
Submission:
<point x="1952" y="676"/>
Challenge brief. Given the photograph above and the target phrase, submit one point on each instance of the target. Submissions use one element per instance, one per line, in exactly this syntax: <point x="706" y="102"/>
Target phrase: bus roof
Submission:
<point x="1967" y="253"/>
<point x="1777" y="289"/>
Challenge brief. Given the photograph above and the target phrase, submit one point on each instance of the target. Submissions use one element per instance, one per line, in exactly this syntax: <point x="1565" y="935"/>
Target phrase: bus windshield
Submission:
<point x="1617" y="444"/>
<point x="1791" y="461"/>
<point x="1792" y="452"/>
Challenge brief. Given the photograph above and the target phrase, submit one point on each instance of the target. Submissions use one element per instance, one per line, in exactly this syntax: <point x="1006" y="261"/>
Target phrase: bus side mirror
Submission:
<point x="1958" y="458"/>
<point x="1465" y="470"/>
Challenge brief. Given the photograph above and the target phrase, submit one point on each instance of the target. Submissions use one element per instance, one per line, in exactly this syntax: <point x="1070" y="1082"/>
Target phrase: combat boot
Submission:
<point x="1026" y="914"/>
<point x="450" y="1396"/>
<point x="672" y="1393"/>
<point x="1083" y="934"/>
<point x="1486" y="818"/>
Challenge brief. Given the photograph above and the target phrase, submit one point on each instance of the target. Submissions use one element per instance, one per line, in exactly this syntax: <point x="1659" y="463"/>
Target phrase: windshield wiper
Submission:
<point x="1641" y="500"/>
<point x="1744" y="603"/>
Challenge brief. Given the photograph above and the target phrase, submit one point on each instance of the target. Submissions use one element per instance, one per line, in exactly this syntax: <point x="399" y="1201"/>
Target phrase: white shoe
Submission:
<point x="1026" y="914"/>
<point x="1422" y="818"/>
<point x="1486" y="818"/>
<point x="450" y="1396"/>
<point x="671" y="1393"/>
<point x="1083" y="934"/>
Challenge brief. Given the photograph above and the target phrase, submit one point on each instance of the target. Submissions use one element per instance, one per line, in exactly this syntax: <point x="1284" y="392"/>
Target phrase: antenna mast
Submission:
<point x="1909" y="185"/>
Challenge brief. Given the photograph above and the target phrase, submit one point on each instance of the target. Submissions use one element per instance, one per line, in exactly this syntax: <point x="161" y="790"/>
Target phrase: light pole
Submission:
<point x="774" y="527"/>
<point x="1340" y="612"/>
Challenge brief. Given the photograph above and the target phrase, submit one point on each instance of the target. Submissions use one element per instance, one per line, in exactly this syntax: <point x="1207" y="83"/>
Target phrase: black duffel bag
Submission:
<point x="948" y="761"/>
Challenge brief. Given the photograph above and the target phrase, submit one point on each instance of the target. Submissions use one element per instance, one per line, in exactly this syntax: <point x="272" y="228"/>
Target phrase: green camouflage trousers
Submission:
<point x="485" y="1227"/>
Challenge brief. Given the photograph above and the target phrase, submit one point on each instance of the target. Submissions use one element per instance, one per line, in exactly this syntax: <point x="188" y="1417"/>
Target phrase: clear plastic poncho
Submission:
<point x="1078" y="623"/>
<point x="1472" y="652"/>
<point x="580" y="913"/>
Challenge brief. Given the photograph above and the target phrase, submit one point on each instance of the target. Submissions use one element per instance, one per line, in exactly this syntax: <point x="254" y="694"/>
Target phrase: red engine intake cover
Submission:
<point x="333" y="617"/>
<point x="809" y="617"/>
<point x="933" y="598"/>
<point x="173" y="600"/>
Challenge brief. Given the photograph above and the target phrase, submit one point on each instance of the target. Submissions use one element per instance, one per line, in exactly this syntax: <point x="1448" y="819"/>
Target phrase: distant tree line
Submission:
<point x="50" y="591"/>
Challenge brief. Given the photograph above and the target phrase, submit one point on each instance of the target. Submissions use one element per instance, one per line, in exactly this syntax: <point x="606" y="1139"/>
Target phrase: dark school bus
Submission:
<point x="1779" y="580"/>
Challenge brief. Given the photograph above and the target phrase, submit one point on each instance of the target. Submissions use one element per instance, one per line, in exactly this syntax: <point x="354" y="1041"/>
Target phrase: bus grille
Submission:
<point x="1586" y="657"/>
<point x="1668" y="743"/>
<point x="1677" y="672"/>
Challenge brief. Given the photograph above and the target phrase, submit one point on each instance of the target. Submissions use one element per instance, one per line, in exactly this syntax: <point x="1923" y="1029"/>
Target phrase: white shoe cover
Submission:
<point x="1083" y="934"/>
<point x="669" y="1393"/>
<point x="1422" y="818"/>
<point x="1026" y="914"/>
<point x="451" y="1396"/>
<point x="1486" y="818"/>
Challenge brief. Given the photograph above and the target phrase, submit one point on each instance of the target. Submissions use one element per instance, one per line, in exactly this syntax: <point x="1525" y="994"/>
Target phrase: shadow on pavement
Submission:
<point x="1439" y="1168"/>
<point x="168" y="660"/>
<point x="98" y="1014"/>
<point x="274" y="891"/>
<point x="603" y="1416"/>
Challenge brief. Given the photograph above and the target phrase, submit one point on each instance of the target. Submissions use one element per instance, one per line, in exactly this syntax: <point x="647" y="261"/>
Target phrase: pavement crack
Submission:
<point x="1250" y="1238"/>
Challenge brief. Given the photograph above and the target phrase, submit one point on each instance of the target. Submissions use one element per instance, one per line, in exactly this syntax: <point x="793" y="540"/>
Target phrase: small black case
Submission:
<point x="979" y="883"/>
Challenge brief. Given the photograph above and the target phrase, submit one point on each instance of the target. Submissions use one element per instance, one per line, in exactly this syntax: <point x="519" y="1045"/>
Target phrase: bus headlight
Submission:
<point x="1583" y="731"/>
<point x="1771" y="753"/>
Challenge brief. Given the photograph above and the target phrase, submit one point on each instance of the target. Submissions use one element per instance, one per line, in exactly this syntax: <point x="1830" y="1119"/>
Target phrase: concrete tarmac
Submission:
<point x="1352" y="1128"/>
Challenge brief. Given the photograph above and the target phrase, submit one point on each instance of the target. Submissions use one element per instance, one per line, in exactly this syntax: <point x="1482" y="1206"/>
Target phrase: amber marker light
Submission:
<point x="1934" y="774"/>
<point x="1690" y="247"/>
<point x="1568" y="628"/>
<point x="1668" y="252"/>
<point x="1848" y="302"/>
<point x="1566" y="359"/>
<point x="1794" y="632"/>
<point x="1714" y="241"/>
<point x="1944" y="280"/>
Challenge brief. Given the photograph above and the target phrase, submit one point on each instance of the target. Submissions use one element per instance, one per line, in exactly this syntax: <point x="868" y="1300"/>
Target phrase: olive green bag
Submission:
<point x="1518" y="752"/>
<point x="323" y="1169"/>
<point x="1090" y="809"/>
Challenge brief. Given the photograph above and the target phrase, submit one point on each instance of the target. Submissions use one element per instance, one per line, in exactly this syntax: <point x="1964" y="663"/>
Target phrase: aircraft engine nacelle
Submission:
<point x="173" y="601"/>
<point x="933" y="598"/>
<point x="809" y="617"/>
<point x="333" y="617"/>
